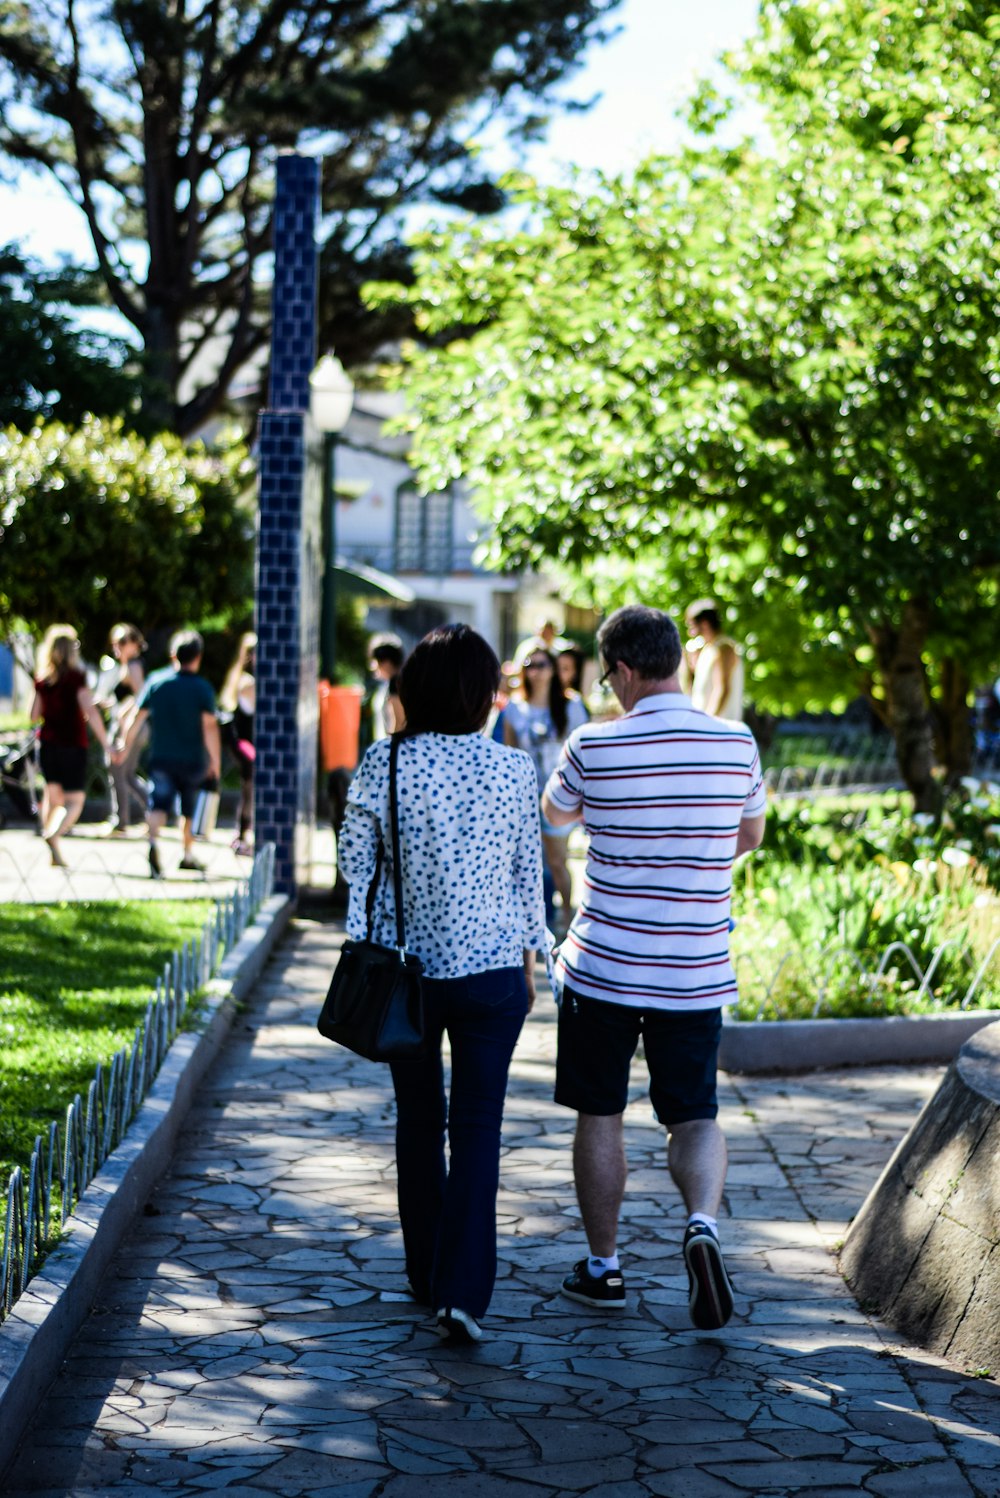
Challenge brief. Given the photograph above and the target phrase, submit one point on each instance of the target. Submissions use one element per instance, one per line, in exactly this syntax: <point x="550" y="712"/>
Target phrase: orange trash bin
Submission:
<point x="339" y="725"/>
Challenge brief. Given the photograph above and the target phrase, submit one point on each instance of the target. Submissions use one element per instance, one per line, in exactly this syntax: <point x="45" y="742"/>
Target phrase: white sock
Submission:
<point x="710" y="1222"/>
<point x="598" y="1266"/>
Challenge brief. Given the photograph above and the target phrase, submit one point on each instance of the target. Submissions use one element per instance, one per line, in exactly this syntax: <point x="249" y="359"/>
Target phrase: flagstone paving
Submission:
<point x="254" y="1335"/>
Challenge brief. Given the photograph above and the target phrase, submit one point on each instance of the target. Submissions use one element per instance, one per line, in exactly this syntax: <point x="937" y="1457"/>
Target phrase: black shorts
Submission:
<point x="64" y="767"/>
<point x="597" y="1041"/>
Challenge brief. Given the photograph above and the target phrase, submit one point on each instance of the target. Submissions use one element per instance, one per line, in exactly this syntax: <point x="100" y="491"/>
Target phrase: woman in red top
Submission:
<point x="65" y="706"/>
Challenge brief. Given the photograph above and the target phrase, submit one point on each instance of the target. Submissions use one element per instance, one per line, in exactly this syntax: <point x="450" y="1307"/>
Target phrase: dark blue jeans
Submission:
<point x="447" y="1209"/>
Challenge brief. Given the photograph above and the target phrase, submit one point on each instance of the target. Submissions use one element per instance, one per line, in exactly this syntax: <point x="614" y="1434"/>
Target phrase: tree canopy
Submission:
<point x="53" y="366"/>
<point x="768" y="370"/>
<point x="98" y="525"/>
<point x="162" y="118"/>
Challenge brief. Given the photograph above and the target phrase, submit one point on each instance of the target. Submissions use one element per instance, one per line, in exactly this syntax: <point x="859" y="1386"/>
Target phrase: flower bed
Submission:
<point x="853" y="908"/>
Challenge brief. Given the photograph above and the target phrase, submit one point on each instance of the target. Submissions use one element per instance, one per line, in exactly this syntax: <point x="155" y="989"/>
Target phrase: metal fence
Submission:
<point x="859" y="765"/>
<point x="71" y="1158"/>
<point x="824" y="971"/>
<point x="114" y="869"/>
<point x="873" y="768"/>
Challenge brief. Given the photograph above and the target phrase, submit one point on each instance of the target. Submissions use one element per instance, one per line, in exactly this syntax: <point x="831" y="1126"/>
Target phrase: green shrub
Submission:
<point x="839" y="883"/>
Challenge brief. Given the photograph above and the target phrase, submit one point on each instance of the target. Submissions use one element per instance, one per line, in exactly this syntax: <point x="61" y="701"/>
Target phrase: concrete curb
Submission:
<point x="36" y="1335"/>
<point x="815" y="1044"/>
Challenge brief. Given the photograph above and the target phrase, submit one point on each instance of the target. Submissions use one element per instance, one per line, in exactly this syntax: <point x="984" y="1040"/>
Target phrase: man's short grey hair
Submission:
<point x="645" y="639"/>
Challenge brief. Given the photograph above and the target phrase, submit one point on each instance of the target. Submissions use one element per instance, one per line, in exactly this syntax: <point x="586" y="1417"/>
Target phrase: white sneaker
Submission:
<point x="458" y="1326"/>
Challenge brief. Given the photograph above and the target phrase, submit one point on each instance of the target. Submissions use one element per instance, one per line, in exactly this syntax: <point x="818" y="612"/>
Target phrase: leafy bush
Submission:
<point x="98" y="524"/>
<point x="853" y="907"/>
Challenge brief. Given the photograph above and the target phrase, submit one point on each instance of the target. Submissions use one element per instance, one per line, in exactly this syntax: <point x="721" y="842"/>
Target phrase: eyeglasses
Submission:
<point x="540" y="665"/>
<point x="610" y="671"/>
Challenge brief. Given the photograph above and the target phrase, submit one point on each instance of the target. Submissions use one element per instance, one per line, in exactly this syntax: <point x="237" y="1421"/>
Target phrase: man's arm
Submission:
<point x="213" y="744"/>
<point x="555" y="814"/>
<point x="750" y="833"/>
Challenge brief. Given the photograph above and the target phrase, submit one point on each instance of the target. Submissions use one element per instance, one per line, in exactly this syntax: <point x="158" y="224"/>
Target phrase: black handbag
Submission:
<point x="375" y="1005"/>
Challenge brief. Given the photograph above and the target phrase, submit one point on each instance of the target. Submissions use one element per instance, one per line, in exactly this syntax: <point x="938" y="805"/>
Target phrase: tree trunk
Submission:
<point x="762" y="725"/>
<point x="161" y="363"/>
<point x="953" y="737"/>
<point x="899" y="653"/>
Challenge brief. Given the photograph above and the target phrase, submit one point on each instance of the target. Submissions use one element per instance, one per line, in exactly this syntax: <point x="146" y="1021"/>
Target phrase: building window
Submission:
<point x="424" y="524"/>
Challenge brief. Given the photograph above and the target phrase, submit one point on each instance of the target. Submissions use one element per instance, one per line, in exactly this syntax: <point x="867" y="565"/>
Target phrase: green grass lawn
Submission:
<point x="75" y="980"/>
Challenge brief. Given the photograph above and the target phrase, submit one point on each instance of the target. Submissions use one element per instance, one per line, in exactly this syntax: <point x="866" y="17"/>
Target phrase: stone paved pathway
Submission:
<point x="254" y="1336"/>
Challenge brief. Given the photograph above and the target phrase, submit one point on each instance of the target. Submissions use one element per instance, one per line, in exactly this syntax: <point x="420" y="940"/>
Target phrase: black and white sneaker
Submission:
<point x="458" y="1327"/>
<point x="155" y="872"/>
<point x="711" y="1299"/>
<point x="606" y="1292"/>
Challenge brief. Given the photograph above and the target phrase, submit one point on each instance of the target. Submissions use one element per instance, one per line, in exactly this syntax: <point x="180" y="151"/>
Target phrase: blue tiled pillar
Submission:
<point x="289" y="498"/>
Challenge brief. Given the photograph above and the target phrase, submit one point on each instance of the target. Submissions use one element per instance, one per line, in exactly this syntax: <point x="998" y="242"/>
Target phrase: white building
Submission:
<point x="427" y="541"/>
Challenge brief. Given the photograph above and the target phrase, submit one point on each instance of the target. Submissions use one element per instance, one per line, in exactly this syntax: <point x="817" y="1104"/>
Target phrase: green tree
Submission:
<point x="162" y="120"/>
<point x="769" y="370"/>
<point x="97" y="524"/>
<point x="52" y="366"/>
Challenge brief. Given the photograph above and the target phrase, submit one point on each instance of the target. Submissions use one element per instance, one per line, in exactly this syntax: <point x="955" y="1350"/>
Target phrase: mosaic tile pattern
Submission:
<point x="288" y="551"/>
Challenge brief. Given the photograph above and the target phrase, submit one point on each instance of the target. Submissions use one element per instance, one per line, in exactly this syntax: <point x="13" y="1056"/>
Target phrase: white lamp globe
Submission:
<point x="331" y="395"/>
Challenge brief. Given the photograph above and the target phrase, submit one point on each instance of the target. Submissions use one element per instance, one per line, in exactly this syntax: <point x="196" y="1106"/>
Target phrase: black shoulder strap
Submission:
<point x="397" y="872"/>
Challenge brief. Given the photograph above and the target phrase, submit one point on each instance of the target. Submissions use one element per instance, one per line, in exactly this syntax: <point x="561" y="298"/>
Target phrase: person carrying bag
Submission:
<point x="375" y="1005"/>
<point x="465" y="886"/>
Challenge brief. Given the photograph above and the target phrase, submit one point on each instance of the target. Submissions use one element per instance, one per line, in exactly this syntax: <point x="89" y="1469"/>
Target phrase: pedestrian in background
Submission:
<point x="473" y="913"/>
<point x="714" y="665"/>
<point x="120" y="690"/>
<point x="239" y="699"/>
<point x="538" y="719"/>
<point x="381" y="712"/>
<point x="184" y="749"/>
<point x="65" y="706"/>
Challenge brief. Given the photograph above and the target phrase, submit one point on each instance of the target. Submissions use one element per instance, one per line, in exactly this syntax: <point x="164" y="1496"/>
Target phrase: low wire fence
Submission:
<point x="65" y="1162"/>
<point x="899" y="971"/>
<point x="851" y="764"/>
<point x="118" y="868"/>
<point x="867" y="772"/>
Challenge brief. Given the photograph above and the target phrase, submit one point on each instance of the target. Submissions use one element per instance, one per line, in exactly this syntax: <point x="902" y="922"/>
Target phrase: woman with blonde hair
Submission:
<point x="63" y="703"/>
<point x="239" y="697"/>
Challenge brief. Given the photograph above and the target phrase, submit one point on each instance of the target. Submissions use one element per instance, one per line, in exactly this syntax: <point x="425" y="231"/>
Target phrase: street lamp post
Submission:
<point x="331" y="396"/>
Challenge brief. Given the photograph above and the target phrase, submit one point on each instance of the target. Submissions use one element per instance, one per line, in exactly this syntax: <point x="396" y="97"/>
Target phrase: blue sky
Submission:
<point x="642" y="76"/>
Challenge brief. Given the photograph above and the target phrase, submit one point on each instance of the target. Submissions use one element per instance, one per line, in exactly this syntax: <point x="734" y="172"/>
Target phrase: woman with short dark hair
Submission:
<point x="470" y="851"/>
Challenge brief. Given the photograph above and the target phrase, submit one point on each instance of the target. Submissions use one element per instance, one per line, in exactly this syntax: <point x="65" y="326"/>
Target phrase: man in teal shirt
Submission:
<point x="185" y="747"/>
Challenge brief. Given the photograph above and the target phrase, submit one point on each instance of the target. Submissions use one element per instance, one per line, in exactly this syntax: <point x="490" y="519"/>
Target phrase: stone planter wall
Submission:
<point x="924" y="1251"/>
<point x="811" y="1044"/>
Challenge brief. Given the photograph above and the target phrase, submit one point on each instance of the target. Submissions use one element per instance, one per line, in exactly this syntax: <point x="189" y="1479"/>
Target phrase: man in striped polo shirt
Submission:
<point x="669" y="797"/>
